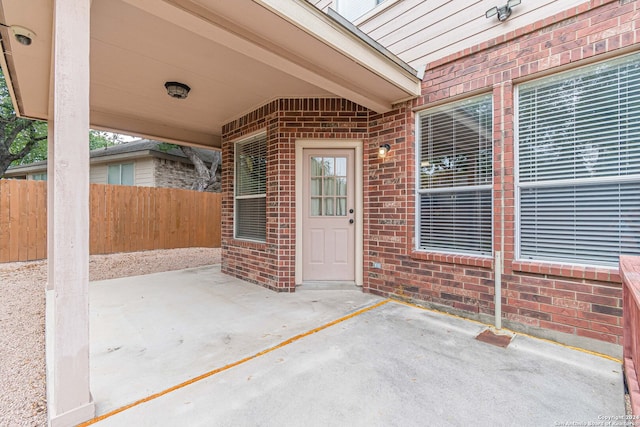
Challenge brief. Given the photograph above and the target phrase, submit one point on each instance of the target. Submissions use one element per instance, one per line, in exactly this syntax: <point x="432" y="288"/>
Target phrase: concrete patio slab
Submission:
<point x="152" y="332"/>
<point x="389" y="365"/>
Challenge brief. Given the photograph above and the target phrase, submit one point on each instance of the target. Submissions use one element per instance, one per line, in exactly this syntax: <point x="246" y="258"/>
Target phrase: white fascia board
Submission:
<point x="319" y="25"/>
<point x="31" y="168"/>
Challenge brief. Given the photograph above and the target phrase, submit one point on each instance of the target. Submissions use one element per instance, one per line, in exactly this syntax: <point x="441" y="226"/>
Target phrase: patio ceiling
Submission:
<point x="235" y="56"/>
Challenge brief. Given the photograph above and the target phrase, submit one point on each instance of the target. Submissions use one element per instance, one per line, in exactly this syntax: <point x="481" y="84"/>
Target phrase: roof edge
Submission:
<point x="342" y="36"/>
<point x="369" y="40"/>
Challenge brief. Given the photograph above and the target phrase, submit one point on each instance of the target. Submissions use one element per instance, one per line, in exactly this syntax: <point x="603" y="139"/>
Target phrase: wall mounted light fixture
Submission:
<point x="503" y="12"/>
<point x="23" y="35"/>
<point x="383" y="150"/>
<point x="177" y="90"/>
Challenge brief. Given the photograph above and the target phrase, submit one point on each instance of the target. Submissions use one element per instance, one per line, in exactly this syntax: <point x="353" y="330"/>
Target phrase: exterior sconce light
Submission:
<point x="503" y="12"/>
<point x="23" y="35"/>
<point x="177" y="90"/>
<point x="383" y="150"/>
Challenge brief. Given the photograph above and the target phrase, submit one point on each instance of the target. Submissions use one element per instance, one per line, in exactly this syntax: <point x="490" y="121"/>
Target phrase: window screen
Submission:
<point x="250" y="185"/>
<point x="454" y="177"/>
<point x="579" y="164"/>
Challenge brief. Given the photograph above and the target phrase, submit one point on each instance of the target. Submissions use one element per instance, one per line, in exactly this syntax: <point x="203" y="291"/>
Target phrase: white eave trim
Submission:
<point x="321" y="26"/>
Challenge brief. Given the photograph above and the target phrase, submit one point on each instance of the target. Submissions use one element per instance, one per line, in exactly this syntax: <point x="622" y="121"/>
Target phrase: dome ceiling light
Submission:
<point x="177" y="90"/>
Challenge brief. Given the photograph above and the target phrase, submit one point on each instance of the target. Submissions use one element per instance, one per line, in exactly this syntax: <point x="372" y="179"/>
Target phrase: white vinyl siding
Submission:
<point x="579" y="164"/>
<point x="322" y="4"/>
<point x="98" y="174"/>
<point x="420" y="32"/>
<point x="454" y="203"/>
<point x="144" y="172"/>
<point x="250" y="189"/>
<point x="121" y="174"/>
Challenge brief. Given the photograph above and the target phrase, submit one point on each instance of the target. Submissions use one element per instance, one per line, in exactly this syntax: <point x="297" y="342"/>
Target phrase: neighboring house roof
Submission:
<point x="148" y="145"/>
<point x="121" y="152"/>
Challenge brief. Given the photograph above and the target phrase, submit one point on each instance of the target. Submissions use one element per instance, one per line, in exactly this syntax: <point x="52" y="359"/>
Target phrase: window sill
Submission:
<point x="476" y="261"/>
<point x="251" y="244"/>
<point x="603" y="274"/>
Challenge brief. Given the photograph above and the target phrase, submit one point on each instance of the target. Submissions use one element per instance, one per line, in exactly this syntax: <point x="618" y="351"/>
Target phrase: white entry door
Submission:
<point x="328" y="214"/>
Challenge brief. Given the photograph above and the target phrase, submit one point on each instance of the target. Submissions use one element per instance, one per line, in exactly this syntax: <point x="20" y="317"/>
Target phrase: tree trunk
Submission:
<point x="5" y="162"/>
<point x="207" y="177"/>
<point x="20" y="125"/>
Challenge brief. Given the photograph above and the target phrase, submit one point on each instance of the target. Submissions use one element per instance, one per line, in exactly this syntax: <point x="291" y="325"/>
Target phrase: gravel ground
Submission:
<point x="22" y="366"/>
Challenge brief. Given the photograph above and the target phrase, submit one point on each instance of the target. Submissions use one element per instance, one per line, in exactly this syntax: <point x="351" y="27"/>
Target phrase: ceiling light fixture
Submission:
<point x="23" y="35"/>
<point x="503" y="12"/>
<point x="177" y="90"/>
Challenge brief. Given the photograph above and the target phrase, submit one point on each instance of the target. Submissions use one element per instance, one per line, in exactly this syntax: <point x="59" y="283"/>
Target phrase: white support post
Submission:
<point x="67" y="323"/>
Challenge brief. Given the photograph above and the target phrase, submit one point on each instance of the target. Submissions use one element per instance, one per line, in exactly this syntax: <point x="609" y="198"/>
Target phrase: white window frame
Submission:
<point x="519" y="186"/>
<point x="236" y="219"/>
<point x="419" y="192"/>
<point x="340" y="8"/>
<point x="120" y="166"/>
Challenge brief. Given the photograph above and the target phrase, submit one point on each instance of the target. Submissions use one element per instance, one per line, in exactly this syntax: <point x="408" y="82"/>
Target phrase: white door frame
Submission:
<point x="357" y="146"/>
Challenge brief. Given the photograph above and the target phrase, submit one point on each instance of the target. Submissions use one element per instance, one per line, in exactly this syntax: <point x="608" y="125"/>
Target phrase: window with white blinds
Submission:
<point x="579" y="164"/>
<point x="455" y="177"/>
<point x="250" y="189"/>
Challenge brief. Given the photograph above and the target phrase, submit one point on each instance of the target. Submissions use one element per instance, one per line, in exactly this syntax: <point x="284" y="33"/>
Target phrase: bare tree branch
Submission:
<point x="206" y="177"/>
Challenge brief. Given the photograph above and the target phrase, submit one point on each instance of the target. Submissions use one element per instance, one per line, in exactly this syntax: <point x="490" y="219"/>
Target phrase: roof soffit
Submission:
<point x="300" y="40"/>
<point x="236" y="56"/>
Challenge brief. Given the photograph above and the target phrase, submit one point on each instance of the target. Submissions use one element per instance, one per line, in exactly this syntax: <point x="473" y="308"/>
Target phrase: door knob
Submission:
<point x="350" y="210"/>
<point x="351" y="221"/>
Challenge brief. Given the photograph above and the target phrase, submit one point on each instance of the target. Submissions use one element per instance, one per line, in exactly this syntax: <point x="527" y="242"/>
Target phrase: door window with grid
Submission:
<point x="328" y="186"/>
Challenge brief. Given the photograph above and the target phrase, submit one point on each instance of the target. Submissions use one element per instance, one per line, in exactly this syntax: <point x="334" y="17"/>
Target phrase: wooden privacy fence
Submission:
<point x="123" y="219"/>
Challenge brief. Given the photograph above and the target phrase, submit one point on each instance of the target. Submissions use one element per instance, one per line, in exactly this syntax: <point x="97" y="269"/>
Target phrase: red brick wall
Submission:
<point x="568" y="303"/>
<point x="461" y="282"/>
<point x="272" y="264"/>
<point x="542" y="298"/>
<point x="252" y="261"/>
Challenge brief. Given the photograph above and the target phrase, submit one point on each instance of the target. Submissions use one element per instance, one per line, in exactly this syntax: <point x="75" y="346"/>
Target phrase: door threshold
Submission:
<point x="329" y="285"/>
